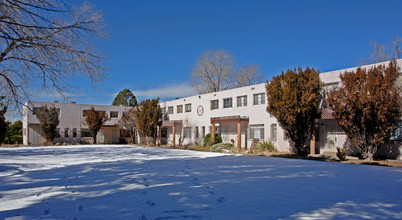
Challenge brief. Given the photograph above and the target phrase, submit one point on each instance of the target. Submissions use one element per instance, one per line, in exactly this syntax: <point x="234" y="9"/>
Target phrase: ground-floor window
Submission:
<point x="66" y="132"/>
<point x="164" y="133"/>
<point x="74" y="132"/>
<point x="57" y="133"/>
<point x="203" y="131"/>
<point x="396" y="135"/>
<point x="85" y="133"/>
<point x="187" y="132"/>
<point x="257" y="131"/>
<point x="196" y="132"/>
<point x="274" y="131"/>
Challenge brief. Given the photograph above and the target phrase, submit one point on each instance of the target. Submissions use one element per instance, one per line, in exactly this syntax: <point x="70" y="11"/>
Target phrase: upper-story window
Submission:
<point x="114" y="114"/>
<point x="35" y="109"/>
<point x="180" y="109"/>
<point x="259" y="99"/>
<point x="188" y="107"/>
<point x="214" y="104"/>
<point x="241" y="101"/>
<point x="227" y="103"/>
<point x="170" y="110"/>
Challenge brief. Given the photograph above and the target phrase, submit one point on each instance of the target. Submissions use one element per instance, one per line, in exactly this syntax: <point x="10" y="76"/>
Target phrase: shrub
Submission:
<point x="264" y="146"/>
<point x="341" y="153"/>
<point x="207" y="141"/>
<point x="223" y="148"/>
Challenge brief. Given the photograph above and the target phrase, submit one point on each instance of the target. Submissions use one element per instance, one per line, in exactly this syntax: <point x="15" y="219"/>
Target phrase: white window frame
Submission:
<point x="242" y="101"/>
<point x="257" y="131"/>
<point x="259" y="99"/>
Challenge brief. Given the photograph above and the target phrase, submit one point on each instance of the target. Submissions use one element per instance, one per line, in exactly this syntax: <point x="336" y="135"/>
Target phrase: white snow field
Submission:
<point x="128" y="182"/>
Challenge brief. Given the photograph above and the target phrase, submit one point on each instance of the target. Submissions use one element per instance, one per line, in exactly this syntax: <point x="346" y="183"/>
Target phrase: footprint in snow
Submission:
<point x="80" y="208"/>
<point x="46" y="212"/>
<point x="150" y="203"/>
<point x="143" y="217"/>
<point x="221" y="199"/>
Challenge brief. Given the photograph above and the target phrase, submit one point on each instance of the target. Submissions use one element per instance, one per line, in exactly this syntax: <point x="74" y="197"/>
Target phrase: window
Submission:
<point x="196" y="131"/>
<point x="66" y="132"/>
<point x="164" y="133"/>
<point x="257" y="131"/>
<point x="241" y="101"/>
<point x="396" y="135"/>
<point x="187" y="132"/>
<point x="203" y="131"/>
<point x="58" y="111"/>
<point x="57" y="133"/>
<point x="274" y="131"/>
<point x="85" y="133"/>
<point x="227" y="103"/>
<point x="84" y="112"/>
<point x="259" y="99"/>
<point x="170" y="110"/>
<point x="74" y="132"/>
<point x="188" y="107"/>
<point x="114" y="114"/>
<point x="214" y="104"/>
<point x="180" y="109"/>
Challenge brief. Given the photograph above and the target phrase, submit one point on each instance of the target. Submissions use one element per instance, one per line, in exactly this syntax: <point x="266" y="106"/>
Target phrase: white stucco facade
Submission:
<point x="255" y="123"/>
<point x="71" y="126"/>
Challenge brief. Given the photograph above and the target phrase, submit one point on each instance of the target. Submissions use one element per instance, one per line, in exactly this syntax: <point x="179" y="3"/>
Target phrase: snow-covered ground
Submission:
<point x="126" y="182"/>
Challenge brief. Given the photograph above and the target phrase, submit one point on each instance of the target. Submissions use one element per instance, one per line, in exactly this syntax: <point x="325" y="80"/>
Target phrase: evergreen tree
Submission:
<point x="148" y="115"/>
<point x="49" y="120"/>
<point x="3" y="122"/>
<point x="94" y="120"/>
<point x="367" y="106"/>
<point x="293" y="99"/>
<point x="125" y="98"/>
<point x="14" y="133"/>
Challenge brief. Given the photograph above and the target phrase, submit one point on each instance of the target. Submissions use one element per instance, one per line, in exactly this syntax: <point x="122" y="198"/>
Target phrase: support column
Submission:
<point x="312" y="141"/>
<point x="212" y="133"/>
<point x="159" y="136"/>
<point x="174" y="135"/>
<point x="239" y="135"/>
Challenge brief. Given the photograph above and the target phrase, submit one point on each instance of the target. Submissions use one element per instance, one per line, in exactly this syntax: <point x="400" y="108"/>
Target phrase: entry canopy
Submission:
<point x="229" y="119"/>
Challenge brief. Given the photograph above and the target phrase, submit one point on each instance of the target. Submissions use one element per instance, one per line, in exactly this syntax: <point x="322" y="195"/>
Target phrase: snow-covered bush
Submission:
<point x="223" y="148"/>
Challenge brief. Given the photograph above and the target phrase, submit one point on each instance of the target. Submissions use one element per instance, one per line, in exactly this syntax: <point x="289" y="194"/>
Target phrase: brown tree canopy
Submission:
<point x="148" y="115"/>
<point x="49" y="120"/>
<point x="94" y="120"/>
<point x="367" y="105"/>
<point x="293" y="98"/>
<point x="46" y="42"/>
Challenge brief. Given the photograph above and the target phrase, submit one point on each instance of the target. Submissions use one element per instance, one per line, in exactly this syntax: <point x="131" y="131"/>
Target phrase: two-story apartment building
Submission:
<point x="72" y="127"/>
<point x="239" y="115"/>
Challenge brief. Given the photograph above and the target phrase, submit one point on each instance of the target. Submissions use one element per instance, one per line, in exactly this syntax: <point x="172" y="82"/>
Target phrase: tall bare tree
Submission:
<point x="384" y="52"/>
<point x="46" y="42"/>
<point x="247" y="75"/>
<point x="212" y="71"/>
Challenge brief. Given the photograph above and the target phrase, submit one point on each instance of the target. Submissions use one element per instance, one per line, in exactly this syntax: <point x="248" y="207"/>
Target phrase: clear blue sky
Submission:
<point x="153" y="45"/>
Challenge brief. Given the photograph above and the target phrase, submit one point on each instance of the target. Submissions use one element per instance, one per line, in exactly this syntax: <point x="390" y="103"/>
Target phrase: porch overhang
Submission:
<point x="171" y="123"/>
<point x="229" y="119"/>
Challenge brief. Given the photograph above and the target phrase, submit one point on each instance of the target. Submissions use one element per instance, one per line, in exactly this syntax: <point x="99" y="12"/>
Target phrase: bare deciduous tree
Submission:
<point x="46" y="41"/>
<point x="212" y="71"/>
<point x="246" y="76"/>
<point x="382" y="53"/>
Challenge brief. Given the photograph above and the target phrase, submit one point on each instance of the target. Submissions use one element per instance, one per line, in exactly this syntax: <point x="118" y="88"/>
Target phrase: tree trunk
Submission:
<point x="94" y="137"/>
